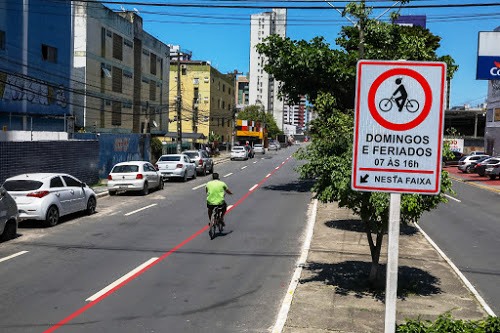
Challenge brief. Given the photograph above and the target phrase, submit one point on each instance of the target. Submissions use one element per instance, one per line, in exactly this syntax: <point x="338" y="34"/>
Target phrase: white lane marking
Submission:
<point x="452" y="198"/>
<point x="287" y="301"/>
<point x="268" y="175"/>
<point x="199" y="186"/>
<point x="283" y="162"/>
<point x="120" y="280"/>
<point x="254" y="162"/>
<point x="13" y="256"/>
<point x="277" y="167"/>
<point x="138" y="210"/>
<point x="457" y="271"/>
<point x="253" y="187"/>
<point x="229" y="207"/>
<point x="246" y="166"/>
<point x="229" y="174"/>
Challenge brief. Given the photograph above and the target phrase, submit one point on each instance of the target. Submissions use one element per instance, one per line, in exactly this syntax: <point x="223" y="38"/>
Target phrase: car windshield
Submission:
<point x="191" y="154"/>
<point x="173" y="158"/>
<point x="238" y="148"/>
<point x="257" y="146"/>
<point x="125" y="168"/>
<point x="463" y="158"/>
<point x="22" y="185"/>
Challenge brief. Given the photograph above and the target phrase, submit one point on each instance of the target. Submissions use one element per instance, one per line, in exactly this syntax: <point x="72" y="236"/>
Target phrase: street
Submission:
<point x="467" y="231"/>
<point x="234" y="283"/>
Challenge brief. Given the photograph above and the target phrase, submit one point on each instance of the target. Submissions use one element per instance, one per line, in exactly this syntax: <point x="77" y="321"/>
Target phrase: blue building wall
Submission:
<point x="46" y="86"/>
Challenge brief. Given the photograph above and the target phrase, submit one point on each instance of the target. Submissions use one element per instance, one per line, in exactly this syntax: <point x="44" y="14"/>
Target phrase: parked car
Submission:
<point x="492" y="171"/>
<point x="272" y="146"/>
<point x="477" y="152"/>
<point x="472" y="165"/>
<point x="134" y="176"/>
<point x="204" y="163"/>
<point x="239" y="152"/>
<point x="176" y="166"/>
<point x="481" y="167"/>
<point x="48" y="196"/>
<point x="258" y="148"/>
<point x="465" y="161"/>
<point x="8" y="216"/>
<point x="454" y="160"/>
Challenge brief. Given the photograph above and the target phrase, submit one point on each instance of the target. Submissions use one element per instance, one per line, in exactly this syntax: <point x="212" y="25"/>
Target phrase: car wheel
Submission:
<point x="468" y="169"/>
<point x="185" y="176"/>
<point x="52" y="216"/>
<point x="145" y="189"/>
<point x="112" y="193"/>
<point x="9" y="232"/>
<point x="204" y="171"/>
<point x="194" y="174"/>
<point x="91" y="205"/>
<point x="492" y="177"/>
<point x="161" y="185"/>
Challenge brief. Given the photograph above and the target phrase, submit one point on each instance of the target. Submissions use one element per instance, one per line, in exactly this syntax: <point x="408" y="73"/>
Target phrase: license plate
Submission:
<point x="489" y="169"/>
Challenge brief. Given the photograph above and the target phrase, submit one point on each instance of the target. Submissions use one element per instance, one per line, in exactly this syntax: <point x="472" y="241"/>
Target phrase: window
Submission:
<point x="152" y="91"/>
<point x="152" y="64"/>
<point x="49" y="53"/>
<point x="116" y="113"/>
<point x="496" y="114"/>
<point x="56" y="182"/>
<point x="71" y="181"/>
<point x="117" y="46"/>
<point x="196" y="80"/>
<point x="2" y="40"/>
<point x="223" y="88"/>
<point x="117" y="78"/>
<point x="128" y="43"/>
<point x="103" y="42"/>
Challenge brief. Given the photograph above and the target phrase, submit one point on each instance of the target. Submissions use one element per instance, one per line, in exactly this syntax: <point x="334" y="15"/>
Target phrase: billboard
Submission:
<point x="488" y="56"/>
<point x="412" y="20"/>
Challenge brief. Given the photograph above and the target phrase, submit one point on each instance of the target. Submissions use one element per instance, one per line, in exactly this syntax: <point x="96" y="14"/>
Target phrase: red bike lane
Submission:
<point x="474" y="179"/>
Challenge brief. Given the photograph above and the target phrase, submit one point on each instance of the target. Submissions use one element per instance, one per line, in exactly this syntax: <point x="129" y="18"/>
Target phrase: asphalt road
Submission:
<point x="468" y="232"/>
<point x="234" y="283"/>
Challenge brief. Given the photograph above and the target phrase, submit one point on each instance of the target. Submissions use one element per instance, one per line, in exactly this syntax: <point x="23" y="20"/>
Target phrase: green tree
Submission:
<point x="156" y="148"/>
<point x="256" y="113"/>
<point x="327" y="77"/>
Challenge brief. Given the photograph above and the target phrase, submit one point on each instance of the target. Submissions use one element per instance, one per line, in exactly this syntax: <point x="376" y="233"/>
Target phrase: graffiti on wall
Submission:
<point x="14" y="88"/>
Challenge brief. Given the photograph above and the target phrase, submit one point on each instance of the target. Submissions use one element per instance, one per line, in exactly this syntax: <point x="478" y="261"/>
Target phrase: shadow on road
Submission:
<point x="351" y="277"/>
<point x="296" y="186"/>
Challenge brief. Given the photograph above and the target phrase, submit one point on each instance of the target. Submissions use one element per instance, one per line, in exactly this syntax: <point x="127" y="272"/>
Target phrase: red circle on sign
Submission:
<point x="404" y="126"/>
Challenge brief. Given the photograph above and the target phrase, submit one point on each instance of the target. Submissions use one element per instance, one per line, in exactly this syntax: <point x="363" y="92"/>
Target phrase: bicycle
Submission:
<point x="411" y="105"/>
<point x="215" y="222"/>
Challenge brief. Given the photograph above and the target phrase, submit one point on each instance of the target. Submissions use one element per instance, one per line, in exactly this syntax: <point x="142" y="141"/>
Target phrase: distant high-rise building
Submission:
<point x="296" y="115"/>
<point x="241" y="93"/>
<point x="263" y="88"/>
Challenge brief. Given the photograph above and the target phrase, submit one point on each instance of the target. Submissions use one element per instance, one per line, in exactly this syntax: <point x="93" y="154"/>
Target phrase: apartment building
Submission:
<point x="263" y="88"/>
<point x="207" y="101"/>
<point x="295" y="115"/>
<point x="35" y="66"/>
<point x="241" y="93"/>
<point x="120" y="73"/>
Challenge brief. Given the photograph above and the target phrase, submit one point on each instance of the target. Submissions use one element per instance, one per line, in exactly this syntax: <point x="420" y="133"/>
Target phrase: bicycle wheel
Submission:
<point x="412" y="105"/>
<point x="211" y="227"/>
<point x="385" y="104"/>
<point x="219" y="221"/>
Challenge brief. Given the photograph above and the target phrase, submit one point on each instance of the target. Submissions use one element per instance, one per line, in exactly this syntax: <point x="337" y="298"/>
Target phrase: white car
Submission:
<point x="176" y="166"/>
<point x="48" y="196"/>
<point x="239" y="152"/>
<point x="465" y="162"/>
<point x="134" y="176"/>
<point x="258" y="148"/>
<point x="8" y="216"/>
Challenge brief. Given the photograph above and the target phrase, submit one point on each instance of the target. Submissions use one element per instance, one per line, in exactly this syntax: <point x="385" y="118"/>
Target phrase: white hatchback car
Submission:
<point x="258" y="148"/>
<point x="48" y="196"/>
<point x="464" y="164"/>
<point x="239" y="152"/>
<point x="176" y="166"/>
<point x="134" y="176"/>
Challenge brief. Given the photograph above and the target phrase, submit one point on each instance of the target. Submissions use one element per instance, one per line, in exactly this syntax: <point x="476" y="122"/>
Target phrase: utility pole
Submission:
<point x="179" y="105"/>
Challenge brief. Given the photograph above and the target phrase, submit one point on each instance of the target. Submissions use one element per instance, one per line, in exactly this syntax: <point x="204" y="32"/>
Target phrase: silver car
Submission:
<point x="258" y="148"/>
<point x="239" y="152"/>
<point x="134" y="176"/>
<point x="176" y="166"/>
<point x="48" y="196"/>
<point x="8" y="216"/>
<point x="204" y="163"/>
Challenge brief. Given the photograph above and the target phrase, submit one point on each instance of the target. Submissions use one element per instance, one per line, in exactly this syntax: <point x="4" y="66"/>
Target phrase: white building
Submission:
<point x="263" y="88"/>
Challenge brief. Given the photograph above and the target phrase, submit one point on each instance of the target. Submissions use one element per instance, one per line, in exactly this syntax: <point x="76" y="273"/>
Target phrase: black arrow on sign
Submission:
<point x="364" y="178"/>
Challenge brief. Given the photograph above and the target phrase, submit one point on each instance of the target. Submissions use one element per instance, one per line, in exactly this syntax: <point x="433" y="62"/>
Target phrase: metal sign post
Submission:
<point x="391" y="288"/>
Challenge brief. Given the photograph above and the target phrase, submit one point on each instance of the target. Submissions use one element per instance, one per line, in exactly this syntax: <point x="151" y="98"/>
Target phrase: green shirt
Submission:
<point x="216" y="190"/>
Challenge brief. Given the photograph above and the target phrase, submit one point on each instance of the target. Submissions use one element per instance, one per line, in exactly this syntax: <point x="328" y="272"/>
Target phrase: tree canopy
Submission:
<point x="327" y="77"/>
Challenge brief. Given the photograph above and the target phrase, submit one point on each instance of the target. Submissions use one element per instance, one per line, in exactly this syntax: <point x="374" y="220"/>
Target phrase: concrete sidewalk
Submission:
<point x="332" y="294"/>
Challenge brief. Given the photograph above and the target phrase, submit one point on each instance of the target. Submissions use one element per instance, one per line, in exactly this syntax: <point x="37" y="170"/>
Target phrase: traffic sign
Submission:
<point x="398" y="128"/>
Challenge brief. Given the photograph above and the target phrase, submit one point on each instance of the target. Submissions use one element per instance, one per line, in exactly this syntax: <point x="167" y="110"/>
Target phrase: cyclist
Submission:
<point x="403" y="95"/>
<point x="216" y="190"/>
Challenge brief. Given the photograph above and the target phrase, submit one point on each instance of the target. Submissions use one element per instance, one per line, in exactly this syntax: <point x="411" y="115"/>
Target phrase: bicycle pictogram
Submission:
<point x="400" y="98"/>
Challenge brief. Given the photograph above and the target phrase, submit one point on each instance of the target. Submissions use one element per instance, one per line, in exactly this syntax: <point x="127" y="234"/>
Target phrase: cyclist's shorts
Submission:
<point x="223" y="204"/>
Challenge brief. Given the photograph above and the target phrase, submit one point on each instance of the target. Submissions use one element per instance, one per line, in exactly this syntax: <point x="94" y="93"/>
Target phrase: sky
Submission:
<point x="222" y="35"/>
